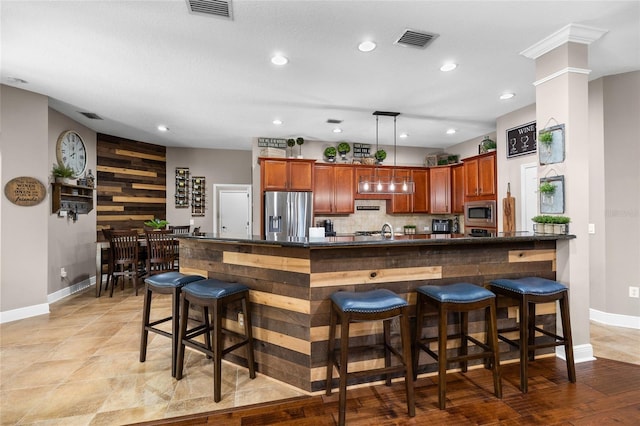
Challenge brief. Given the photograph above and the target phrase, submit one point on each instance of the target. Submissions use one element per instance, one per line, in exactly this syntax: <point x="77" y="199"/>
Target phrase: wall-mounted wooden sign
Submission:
<point x="521" y="140"/>
<point x="25" y="191"/>
<point x="272" y="143"/>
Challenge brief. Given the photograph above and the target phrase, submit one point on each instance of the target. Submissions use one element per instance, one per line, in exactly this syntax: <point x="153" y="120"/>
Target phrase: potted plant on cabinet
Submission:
<point x="487" y="145"/>
<point x="300" y="141"/>
<point x="330" y="153"/>
<point x="62" y="173"/>
<point x="380" y="155"/>
<point x="343" y="149"/>
<point x="291" y="143"/>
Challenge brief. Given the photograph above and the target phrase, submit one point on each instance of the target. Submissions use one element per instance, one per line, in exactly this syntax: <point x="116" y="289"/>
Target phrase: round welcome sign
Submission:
<point x="25" y="191"/>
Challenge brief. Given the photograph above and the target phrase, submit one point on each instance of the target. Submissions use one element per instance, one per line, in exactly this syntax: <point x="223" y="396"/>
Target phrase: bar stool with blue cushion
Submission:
<point x="375" y="305"/>
<point x="165" y="283"/>
<point x="461" y="298"/>
<point x="215" y="295"/>
<point x="528" y="292"/>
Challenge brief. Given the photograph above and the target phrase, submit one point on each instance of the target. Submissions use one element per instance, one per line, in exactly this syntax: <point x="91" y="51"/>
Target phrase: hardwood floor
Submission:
<point x="607" y="392"/>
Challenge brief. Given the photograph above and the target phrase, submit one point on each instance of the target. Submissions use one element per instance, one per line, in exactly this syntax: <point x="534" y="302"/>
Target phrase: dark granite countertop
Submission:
<point x="376" y="240"/>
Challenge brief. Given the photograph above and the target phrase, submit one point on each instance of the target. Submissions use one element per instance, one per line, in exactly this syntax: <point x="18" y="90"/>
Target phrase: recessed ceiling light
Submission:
<point x="279" y="60"/>
<point x="277" y="122"/>
<point x="507" y="96"/>
<point x="451" y="131"/>
<point x="403" y="135"/>
<point x="448" y="67"/>
<point x="337" y="130"/>
<point x="163" y="128"/>
<point x="366" y="46"/>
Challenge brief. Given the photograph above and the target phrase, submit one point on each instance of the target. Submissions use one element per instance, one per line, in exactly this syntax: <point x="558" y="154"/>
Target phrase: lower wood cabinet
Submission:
<point x="333" y="189"/>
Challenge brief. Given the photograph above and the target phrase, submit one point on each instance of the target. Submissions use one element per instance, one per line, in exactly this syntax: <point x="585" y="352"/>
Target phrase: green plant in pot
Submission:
<point x="543" y="223"/>
<point x="330" y="153"/>
<point x="344" y="149"/>
<point x="560" y="224"/>
<point x="487" y="144"/>
<point x="62" y="173"/>
<point x="156" y="224"/>
<point x="380" y="155"/>
<point x="300" y="141"/>
<point x="291" y="143"/>
<point x="547" y="189"/>
<point x="546" y="139"/>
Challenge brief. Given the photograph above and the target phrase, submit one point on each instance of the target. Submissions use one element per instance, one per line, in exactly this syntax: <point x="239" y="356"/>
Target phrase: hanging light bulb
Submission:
<point x="392" y="186"/>
<point x="405" y="188"/>
<point x="366" y="185"/>
<point x="379" y="186"/>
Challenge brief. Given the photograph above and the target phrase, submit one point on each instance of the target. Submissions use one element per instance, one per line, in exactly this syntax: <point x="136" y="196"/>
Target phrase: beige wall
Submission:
<point x="621" y="106"/>
<point x="71" y="244"/>
<point x="23" y="230"/>
<point x="217" y="166"/>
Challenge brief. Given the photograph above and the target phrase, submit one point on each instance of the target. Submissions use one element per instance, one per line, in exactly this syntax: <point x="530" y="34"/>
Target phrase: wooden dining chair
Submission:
<point x="160" y="252"/>
<point x="124" y="248"/>
<point x="107" y="259"/>
<point x="179" y="230"/>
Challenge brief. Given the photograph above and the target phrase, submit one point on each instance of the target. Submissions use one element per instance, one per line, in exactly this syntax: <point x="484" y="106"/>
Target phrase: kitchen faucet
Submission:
<point x="385" y="227"/>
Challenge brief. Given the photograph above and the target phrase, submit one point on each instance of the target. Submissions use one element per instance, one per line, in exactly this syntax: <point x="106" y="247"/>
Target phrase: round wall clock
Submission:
<point x="71" y="152"/>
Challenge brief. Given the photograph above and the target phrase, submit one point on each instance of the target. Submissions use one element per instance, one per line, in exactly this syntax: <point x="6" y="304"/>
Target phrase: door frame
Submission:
<point x="218" y="188"/>
<point x="524" y="188"/>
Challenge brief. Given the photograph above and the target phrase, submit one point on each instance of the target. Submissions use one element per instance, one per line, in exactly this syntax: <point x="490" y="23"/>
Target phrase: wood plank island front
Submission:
<point x="291" y="282"/>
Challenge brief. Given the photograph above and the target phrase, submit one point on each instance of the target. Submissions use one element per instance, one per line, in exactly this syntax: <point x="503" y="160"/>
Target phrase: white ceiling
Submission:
<point x="138" y="64"/>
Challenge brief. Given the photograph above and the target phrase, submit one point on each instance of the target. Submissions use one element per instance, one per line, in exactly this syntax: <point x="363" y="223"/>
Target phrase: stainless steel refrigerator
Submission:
<point x="287" y="215"/>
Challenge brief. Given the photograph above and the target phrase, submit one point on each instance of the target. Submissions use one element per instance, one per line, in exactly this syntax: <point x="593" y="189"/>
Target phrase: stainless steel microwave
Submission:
<point x="480" y="213"/>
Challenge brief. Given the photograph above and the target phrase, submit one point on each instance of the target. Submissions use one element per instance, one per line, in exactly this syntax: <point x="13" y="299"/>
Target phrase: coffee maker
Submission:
<point x="328" y="228"/>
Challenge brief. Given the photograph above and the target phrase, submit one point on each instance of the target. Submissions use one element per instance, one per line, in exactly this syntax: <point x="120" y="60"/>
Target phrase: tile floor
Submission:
<point x="79" y="365"/>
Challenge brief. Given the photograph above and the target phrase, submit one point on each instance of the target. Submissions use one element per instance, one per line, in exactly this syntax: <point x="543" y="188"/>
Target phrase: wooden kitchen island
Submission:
<point x="291" y="282"/>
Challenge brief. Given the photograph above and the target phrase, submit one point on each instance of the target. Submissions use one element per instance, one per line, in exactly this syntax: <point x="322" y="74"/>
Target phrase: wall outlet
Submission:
<point x="425" y="228"/>
<point x="634" y="292"/>
<point x="592" y="228"/>
<point x="63" y="274"/>
<point x="241" y="319"/>
<point x="192" y="222"/>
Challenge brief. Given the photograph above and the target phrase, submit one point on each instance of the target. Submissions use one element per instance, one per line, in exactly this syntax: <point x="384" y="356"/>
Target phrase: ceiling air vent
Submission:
<point x="91" y="115"/>
<point x="218" y="8"/>
<point x="333" y="121"/>
<point x="418" y="39"/>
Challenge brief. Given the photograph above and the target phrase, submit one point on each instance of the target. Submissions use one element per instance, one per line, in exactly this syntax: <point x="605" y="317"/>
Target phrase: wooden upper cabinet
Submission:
<point x="480" y="176"/>
<point x="421" y="194"/>
<point x="440" y="185"/>
<point x="457" y="188"/>
<point x="333" y="189"/>
<point x="400" y="203"/>
<point x="286" y="175"/>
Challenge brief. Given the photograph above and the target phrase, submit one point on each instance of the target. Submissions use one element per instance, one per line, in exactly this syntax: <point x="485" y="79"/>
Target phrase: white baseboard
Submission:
<point x="581" y="353"/>
<point x="616" y="320"/>
<point x="22" y="313"/>
<point x="43" y="308"/>
<point x="68" y="291"/>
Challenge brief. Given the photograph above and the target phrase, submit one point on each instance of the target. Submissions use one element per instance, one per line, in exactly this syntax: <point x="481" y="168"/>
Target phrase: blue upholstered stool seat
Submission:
<point x="172" y="279"/>
<point x="456" y="293"/>
<point x="530" y="285"/>
<point x="214" y="289"/>
<point x="367" y="301"/>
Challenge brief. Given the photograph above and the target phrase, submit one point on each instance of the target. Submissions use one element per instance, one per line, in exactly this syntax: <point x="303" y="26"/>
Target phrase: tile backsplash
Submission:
<point x="372" y="220"/>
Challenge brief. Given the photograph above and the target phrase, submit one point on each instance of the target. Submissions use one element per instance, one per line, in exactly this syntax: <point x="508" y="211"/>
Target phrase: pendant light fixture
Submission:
<point x="376" y="184"/>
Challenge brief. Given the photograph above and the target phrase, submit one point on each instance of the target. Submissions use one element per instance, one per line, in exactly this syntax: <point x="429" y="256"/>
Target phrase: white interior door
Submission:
<point x="233" y="210"/>
<point x="529" y="194"/>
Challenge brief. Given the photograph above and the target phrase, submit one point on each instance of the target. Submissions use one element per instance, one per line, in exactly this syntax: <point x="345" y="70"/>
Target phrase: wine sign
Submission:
<point x="521" y="140"/>
<point x="25" y="191"/>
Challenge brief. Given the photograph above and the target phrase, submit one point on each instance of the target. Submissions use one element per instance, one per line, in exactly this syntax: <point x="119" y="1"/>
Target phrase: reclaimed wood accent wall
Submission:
<point x="131" y="183"/>
<point x="290" y="289"/>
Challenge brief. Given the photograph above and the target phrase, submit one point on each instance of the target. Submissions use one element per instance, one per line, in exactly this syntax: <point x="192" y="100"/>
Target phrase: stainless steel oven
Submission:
<point x="480" y="214"/>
